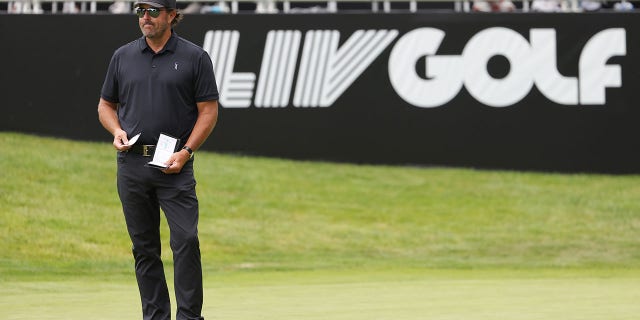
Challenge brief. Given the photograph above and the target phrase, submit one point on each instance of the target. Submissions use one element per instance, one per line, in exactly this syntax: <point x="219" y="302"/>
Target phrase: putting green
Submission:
<point x="354" y="295"/>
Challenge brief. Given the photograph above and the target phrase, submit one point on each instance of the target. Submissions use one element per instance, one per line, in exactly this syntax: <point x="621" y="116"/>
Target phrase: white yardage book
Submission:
<point x="164" y="149"/>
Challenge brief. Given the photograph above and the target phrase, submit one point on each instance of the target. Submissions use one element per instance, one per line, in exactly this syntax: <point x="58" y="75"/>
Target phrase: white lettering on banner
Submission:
<point x="595" y="74"/>
<point x="529" y="64"/>
<point x="480" y="84"/>
<point x="326" y="71"/>
<point x="278" y="65"/>
<point x="236" y="88"/>
<point x="443" y="72"/>
<point x="553" y="85"/>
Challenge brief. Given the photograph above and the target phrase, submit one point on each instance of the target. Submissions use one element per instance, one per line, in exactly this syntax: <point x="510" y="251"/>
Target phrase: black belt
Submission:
<point x="146" y="150"/>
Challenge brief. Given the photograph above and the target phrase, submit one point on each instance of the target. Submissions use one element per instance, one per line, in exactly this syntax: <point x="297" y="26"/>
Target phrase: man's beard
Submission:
<point x="151" y="33"/>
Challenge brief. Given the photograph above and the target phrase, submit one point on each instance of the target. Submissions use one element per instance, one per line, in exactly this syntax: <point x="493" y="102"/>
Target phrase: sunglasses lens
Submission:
<point x="153" y="12"/>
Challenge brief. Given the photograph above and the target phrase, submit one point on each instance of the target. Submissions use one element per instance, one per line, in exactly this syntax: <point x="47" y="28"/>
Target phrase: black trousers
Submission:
<point x="143" y="192"/>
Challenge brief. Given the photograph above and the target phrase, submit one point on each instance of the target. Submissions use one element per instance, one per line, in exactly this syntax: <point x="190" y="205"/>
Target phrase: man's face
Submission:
<point x="155" y="27"/>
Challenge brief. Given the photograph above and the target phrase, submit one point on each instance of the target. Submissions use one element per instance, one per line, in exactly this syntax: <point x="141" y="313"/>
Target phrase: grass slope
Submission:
<point x="60" y="216"/>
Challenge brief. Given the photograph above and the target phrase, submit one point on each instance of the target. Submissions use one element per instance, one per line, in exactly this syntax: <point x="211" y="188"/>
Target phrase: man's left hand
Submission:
<point x="176" y="162"/>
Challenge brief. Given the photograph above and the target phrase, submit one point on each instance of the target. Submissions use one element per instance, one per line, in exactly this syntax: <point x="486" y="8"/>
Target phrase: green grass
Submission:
<point x="350" y="295"/>
<point x="61" y="215"/>
<point x="306" y="240"/>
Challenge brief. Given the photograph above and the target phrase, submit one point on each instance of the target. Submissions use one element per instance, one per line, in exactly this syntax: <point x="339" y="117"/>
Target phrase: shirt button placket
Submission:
<point x="153" y="62"/>
<point x="153" y="75"/>
<point x="154" y="67"/>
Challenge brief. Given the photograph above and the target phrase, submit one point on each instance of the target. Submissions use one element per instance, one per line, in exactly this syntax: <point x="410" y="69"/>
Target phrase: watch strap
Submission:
<point x="189" y="150"/>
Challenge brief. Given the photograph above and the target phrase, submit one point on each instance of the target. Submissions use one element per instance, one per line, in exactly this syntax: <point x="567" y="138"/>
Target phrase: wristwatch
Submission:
<point x="189" y="150"/>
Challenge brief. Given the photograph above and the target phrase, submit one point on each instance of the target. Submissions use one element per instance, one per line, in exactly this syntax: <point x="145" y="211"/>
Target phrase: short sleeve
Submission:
<point x="109" y="90"/>
<point x="205" y="86"/>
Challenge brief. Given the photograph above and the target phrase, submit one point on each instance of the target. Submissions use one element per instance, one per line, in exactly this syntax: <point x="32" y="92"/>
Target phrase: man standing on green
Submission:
<point x="160" y="83"/>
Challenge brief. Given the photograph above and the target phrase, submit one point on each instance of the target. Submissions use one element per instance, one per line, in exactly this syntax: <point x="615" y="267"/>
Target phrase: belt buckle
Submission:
<point x="147" y="150"/>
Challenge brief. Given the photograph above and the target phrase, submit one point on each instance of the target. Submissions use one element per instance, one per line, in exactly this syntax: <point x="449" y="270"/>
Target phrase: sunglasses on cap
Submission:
<point x="153" y="12"/>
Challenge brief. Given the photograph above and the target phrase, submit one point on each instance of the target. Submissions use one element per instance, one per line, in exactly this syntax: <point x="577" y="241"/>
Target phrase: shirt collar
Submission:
<point x="171" y="44"/>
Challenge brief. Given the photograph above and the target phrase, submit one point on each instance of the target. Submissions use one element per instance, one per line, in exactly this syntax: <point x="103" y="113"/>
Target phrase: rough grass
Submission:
<point x="60" y="215"/>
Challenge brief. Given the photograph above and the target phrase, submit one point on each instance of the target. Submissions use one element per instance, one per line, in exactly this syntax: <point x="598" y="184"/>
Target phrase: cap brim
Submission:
<point x="153" y="4"/>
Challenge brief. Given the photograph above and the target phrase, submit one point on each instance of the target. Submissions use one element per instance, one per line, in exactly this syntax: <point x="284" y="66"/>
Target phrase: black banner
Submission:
<point x="552" y="92"/>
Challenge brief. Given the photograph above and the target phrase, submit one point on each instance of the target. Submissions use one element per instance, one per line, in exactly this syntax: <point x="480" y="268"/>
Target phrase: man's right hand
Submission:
<point x="107" y="114"/>
<point x="120" y="140"/>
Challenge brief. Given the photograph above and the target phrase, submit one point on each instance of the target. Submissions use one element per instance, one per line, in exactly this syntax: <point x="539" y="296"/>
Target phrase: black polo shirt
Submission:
<point x="157" y="92"/>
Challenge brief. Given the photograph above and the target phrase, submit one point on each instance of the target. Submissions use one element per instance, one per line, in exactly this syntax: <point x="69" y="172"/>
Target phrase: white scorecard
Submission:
<point x="164" y="149"/>
<point x="133" y="140"/>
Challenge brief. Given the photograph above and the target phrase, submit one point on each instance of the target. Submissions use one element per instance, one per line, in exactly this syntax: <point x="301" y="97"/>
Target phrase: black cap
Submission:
<point x="170" y="4"/>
